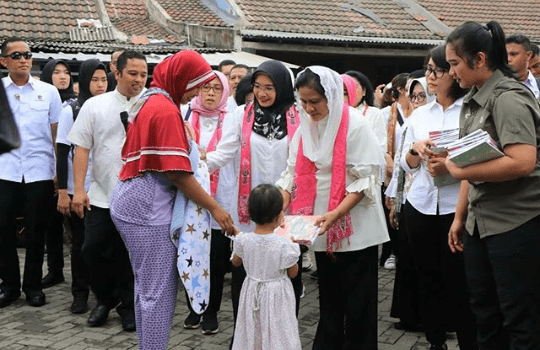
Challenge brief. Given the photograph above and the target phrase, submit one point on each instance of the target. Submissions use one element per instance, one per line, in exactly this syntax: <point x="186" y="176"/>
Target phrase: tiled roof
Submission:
<point x="130" y="17"/>
<point x="191" y="11"/>
<point x="367" y="18"/>
<point x="516" y="16"/>
<point x="43" y="19"/>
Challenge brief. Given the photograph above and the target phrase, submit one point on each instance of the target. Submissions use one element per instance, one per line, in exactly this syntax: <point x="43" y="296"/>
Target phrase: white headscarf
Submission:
<point x="422" y="81"/>
<point x="322" y="151"/>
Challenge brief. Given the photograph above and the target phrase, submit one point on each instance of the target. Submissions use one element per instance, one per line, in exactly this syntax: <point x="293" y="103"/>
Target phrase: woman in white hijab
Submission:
<point x="334" y="171"/>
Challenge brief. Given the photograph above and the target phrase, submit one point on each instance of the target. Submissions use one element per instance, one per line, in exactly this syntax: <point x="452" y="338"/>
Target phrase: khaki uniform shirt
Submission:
<point x="508" y="111"/>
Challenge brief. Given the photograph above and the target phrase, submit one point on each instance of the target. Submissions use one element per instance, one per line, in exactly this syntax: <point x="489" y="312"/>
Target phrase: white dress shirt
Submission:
<point x="98" y="127"/>
<point x="532" y="84"/>
<point x="423" y="195"/>
<point x="64" y="126"/>
<point x="35" y="106"/>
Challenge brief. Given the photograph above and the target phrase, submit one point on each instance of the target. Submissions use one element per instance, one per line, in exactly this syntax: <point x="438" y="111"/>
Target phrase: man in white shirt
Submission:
<point x="237" y="72"/>
<point x="99" y="129"/>
<point x="519" y="52"/>
<point x="26" y="174"/>
<point x="534" y="62"/>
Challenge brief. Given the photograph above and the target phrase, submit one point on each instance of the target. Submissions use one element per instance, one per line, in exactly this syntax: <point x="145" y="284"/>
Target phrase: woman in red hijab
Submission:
<point x="157" y="164"/>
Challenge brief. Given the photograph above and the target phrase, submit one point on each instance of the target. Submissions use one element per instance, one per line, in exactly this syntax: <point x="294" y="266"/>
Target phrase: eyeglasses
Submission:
<point x="421" y="97"/>
<point x="439" y="72"/>
<point x="266" y="88"/>
<point x="216" y="88"/>
<point x="17" y="55"/>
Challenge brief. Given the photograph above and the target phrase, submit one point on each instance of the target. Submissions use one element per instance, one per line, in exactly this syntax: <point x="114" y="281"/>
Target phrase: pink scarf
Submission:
<point x="305" y="184"/>
<point x="244" y="183"/>
<point x="350" y="86"/>
<point x="198" y="108"/>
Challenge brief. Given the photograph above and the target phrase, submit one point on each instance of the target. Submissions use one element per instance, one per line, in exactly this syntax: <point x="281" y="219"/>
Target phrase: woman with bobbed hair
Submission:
<point x="497" y="220"/>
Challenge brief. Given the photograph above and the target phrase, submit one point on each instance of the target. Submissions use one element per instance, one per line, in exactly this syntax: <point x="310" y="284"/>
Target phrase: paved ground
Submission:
<point x="54" y="327"/>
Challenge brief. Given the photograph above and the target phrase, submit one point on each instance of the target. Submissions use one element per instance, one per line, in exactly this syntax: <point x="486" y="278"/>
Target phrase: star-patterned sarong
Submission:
<point x="191" y="233"/>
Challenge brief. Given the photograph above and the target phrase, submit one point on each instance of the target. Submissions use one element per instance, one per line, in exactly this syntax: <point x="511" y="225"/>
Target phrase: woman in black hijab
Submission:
<point x="261" y="132"/>
<point x="92" y="81"/>
<point x="57" y="73"/>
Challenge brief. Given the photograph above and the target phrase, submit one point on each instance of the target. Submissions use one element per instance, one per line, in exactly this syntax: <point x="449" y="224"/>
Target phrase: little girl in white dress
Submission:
<point x="266" y="315"/>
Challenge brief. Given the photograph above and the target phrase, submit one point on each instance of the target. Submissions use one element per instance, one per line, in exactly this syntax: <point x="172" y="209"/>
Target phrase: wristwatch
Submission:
<point x="412" y="151"/>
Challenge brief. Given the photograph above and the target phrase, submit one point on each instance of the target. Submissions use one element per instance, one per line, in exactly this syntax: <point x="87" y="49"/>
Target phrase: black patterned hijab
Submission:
<point x="270" y="121"/>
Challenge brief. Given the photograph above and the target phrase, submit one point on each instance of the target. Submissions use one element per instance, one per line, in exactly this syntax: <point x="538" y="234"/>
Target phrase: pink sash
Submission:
<point x="244" y="182"/>
<point x="305" y="185"/>
<point x="196" y="124"/>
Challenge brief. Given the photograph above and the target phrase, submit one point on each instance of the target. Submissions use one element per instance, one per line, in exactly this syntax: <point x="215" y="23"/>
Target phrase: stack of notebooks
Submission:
<point x="477" y="147"/>
<point x="442" y="139"/>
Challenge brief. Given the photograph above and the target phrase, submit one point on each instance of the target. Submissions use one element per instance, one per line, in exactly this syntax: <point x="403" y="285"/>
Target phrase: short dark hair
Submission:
<point x="399" y="81"/>
<point x="225" y="63"/>
<point x="125" y="56"/>
<point x="265" y="203"/>
<point x="471" y="38"/>
<point x="438" y="55"/>
<point x="311" y="80"/>
<point x="535" y="50"/>
<point x="369" y="97"/>
<point x="520" y="40"/>
<point x="13" y="39"/>
<point x="419" y="73"/>
<point x="240" y="65"/>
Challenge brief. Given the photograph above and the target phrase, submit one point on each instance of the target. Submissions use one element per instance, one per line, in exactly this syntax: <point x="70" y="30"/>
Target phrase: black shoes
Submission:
<point x="7" y="299"/>
<point x="79" y="305"/>
<point x="52" y="279"/>
<point x="193" y="321"/>
<point x="209" y="325"/>
<point x="438" y="347"/>
<point x="128" y="323"/>
<point x="99" y="316"/>
<point x="36" y="299"/>
<point x="403" y="326"/>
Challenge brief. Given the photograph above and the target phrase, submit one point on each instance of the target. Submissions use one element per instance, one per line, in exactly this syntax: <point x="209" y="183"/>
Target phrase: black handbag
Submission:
<point x="9" y="133"/>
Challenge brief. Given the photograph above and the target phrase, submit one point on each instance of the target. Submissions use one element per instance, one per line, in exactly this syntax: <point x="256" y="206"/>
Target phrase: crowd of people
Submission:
<point x="188" y="179"/>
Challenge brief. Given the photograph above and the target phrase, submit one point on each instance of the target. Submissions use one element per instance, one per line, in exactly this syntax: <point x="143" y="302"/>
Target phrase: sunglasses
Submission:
<point x="17" y="55"/>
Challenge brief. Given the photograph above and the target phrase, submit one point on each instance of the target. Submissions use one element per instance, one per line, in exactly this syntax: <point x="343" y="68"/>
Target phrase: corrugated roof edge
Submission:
<point x="109" y="47"/>
<point x="250" y="33"/>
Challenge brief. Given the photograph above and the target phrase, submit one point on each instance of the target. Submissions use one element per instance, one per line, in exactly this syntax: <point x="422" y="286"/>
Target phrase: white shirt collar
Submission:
<point x="9" y="81"/>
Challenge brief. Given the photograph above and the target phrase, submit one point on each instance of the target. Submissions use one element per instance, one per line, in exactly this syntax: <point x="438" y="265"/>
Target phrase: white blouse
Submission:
<point x="377" y="122"/>
<point x="364" y="162"/>
<point x="423" y="195"/>
<point x="228" y="177"/>
<point x="268" y="158"/>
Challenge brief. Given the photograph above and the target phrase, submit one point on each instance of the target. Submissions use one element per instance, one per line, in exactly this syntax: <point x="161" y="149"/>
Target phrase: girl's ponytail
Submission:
<point x="470" y="38"/>
<point x="499" y="57"/>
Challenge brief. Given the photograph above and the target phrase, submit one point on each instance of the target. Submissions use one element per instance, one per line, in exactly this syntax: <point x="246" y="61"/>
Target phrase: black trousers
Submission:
<point x="35" y="201"/>
<point x="347" y="300"/>
<point x="388" y="248"/>
<point x="80" y="284"/>
<point x="220" y="254"/>
<point x="405" y="298"/>
<point x="105" y="254"/>
<point x="54" y="239"/>
<point x="444" y="298"/>
<point x="503" y="273"/>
